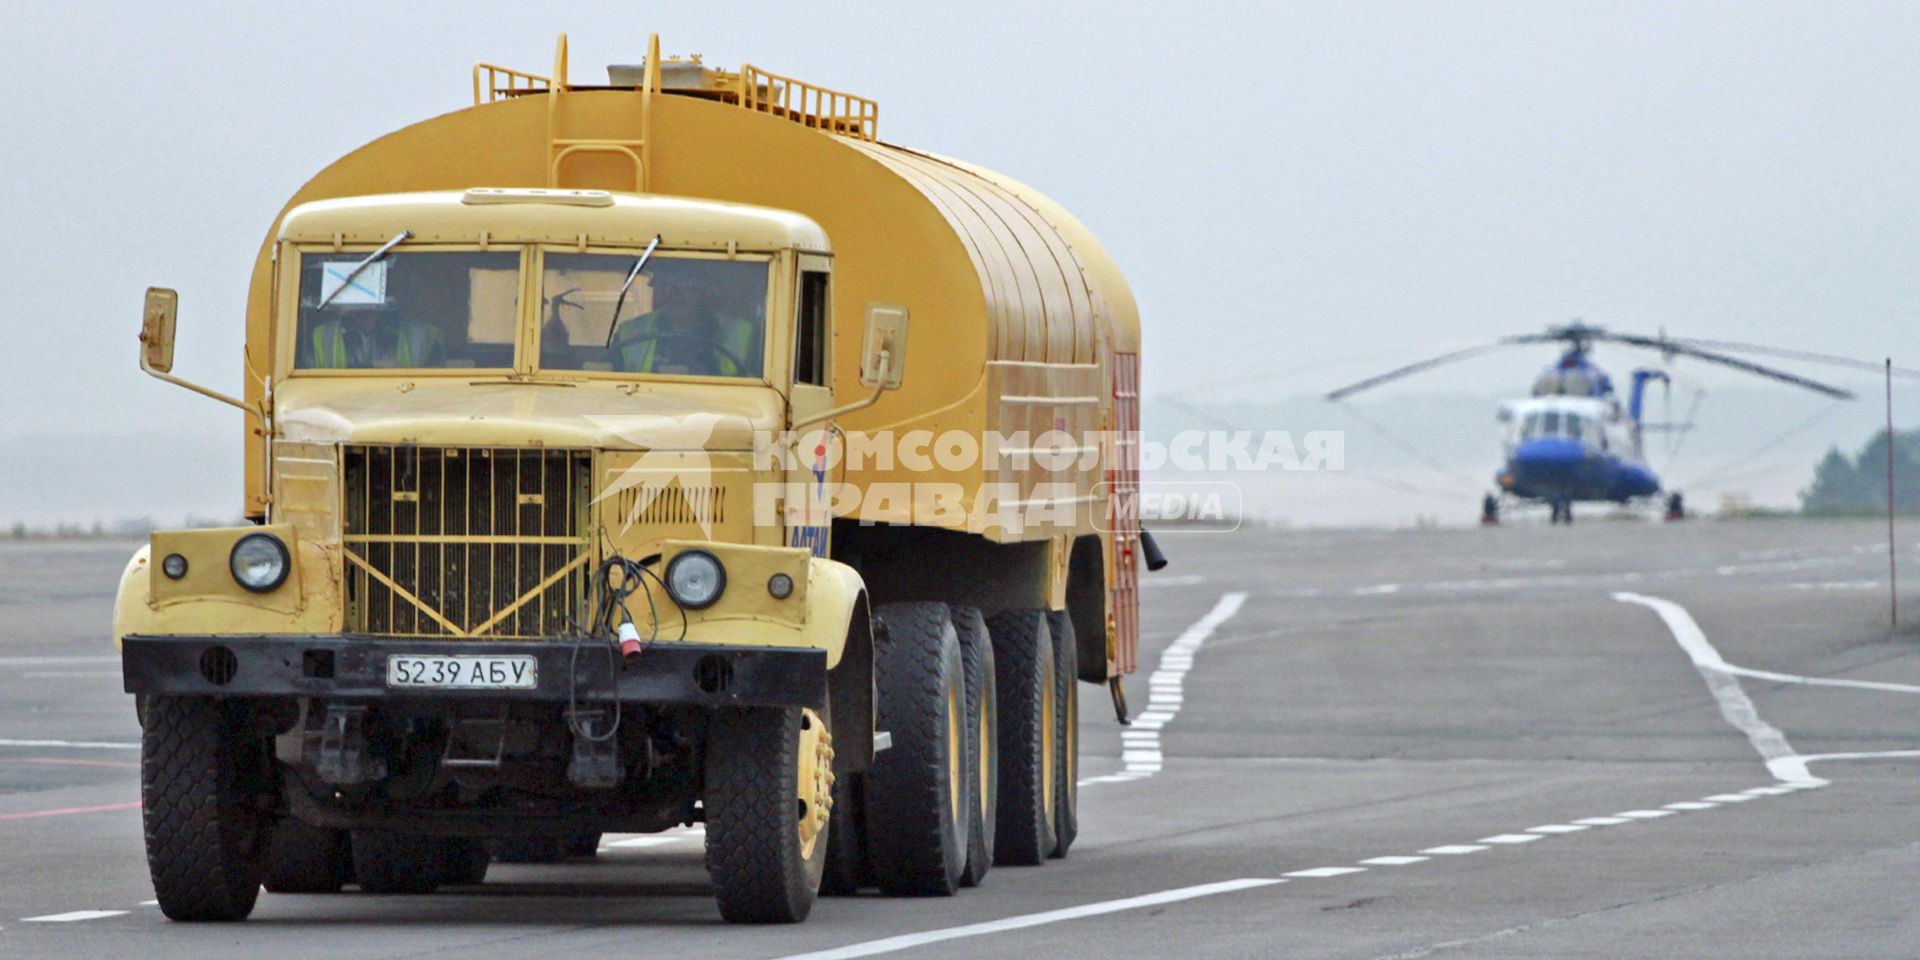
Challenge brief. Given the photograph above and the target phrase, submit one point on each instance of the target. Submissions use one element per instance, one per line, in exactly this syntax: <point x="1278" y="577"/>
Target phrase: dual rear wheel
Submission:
<point x="981" y="712"/>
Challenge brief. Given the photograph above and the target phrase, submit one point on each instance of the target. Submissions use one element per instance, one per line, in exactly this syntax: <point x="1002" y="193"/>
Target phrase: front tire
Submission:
<point x="766" y="829"/>
<point x="916" y="804"/>
<point x="203" y="780"/>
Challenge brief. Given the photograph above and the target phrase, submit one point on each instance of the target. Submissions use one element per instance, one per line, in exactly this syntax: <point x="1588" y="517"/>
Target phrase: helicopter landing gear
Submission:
<point x="1562" y="512"/>
<point x="1676" y="507"/>
<point x="1489" y="511"/>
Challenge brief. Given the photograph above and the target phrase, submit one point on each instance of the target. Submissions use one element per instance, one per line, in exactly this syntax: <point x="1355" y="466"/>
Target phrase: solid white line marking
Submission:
<point x="1394" y="861"/>
<point x="1320" y="872"/>
<point x="1691" y="805"/>
<point x="1644" y="814"/>
<point x="72" y="744"/>
<point x="1511" y="838"/>
<point x="1602" y="821"/>
<point x="73" y="916"/>
<point x="1871" y="755"/>
<point x="1575" y="827"/>
<point x="1768" y="741"/>
<point x="1454" y="849"/>
<point x="1142" y="755"/>
<point x="1728" y="798"/>
<point x="906" y="941"/>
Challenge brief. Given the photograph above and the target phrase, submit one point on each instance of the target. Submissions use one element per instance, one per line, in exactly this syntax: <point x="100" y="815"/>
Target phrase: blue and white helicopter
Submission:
<point x="1573" y="441"/>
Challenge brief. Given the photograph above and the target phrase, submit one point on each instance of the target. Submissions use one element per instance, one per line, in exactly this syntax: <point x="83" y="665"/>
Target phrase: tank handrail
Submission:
<point x="492" y="81"/>
<point x="809" y="104"/>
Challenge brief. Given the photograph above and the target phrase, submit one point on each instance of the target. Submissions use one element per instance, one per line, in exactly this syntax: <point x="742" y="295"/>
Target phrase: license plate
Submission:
<point x="463" y="673"/>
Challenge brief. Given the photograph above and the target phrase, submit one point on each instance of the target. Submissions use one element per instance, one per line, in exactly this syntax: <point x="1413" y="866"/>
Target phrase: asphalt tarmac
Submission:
<point x="1615" y="740"/>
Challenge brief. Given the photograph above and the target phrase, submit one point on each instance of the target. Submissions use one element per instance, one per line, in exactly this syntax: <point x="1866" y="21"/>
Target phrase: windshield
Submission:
<point x="414" y="310"/>
<point x="679" y="316"/>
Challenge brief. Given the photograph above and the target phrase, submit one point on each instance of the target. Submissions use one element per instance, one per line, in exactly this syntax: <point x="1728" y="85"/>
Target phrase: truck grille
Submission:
<point x="465" y="541"/>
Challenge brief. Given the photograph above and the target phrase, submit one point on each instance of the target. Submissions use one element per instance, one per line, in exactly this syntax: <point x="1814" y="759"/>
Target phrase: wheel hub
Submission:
<point x="815" y="782"/>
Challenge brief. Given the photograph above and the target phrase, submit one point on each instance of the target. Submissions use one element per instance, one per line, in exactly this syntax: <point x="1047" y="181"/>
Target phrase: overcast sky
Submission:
<point x="1287" y="186"/>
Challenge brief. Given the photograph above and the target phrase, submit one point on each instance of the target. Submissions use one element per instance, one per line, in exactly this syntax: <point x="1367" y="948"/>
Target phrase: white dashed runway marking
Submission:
<point x="73" y="916"/>
<point x="1322" y="872"/>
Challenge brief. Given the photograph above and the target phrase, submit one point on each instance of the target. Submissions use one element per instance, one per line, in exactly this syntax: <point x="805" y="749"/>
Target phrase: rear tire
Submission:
<point x="302" y="858"/>
<point x="916" y="804"/>
<point x="761" y="863"/>
<point x="1066" y="705"/>
<point x="1023" y="675"/>
<point x="983" y="747"/>
<point x="388" y="862"/>
<point x="203" y="780"/>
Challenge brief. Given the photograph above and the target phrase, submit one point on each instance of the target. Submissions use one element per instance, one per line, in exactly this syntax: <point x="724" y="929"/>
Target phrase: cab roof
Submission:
<point x="552" y="216"/>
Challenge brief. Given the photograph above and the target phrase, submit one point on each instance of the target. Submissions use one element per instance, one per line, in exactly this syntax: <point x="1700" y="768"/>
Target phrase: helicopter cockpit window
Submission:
<point x="1550" y="423"/>
<point x="1572" y="426"/>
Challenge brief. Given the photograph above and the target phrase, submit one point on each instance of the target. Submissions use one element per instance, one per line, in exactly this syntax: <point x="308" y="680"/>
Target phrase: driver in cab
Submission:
<point x="365" y="337"/>
<point x="686" y="333"/>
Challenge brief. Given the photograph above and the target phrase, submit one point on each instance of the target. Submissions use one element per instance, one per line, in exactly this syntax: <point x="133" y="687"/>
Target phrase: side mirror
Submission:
<point x="883" y="351"/>
<point x="156" y="329"/>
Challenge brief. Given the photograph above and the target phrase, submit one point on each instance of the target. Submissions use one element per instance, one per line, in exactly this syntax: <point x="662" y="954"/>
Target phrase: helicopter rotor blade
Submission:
<point x="1685" y="349"/>
<point x="1806" y="355"/>
<point x="1413" y="368"/>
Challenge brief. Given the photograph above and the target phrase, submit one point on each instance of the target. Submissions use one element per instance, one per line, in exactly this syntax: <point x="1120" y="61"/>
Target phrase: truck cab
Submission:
<point x="527" y="543"/>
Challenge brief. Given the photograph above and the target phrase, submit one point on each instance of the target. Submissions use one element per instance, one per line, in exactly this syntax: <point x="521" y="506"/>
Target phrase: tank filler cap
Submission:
<point x="572" y="198"/>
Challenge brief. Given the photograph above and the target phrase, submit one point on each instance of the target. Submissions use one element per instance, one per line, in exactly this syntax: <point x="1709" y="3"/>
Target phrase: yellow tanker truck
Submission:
<point x="670" y="451"/>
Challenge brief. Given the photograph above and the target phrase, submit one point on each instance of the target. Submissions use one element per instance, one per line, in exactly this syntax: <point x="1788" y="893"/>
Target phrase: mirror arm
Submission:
<point x="886" y="367"/>
<point x="196" y="388"/>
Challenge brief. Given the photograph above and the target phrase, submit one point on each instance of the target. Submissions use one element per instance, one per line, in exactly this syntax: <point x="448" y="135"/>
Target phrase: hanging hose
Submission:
<point x="612" y="627"/>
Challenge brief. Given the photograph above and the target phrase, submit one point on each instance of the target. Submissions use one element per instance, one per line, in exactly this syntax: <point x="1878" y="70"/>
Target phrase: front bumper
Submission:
<point x="352" y="667"/>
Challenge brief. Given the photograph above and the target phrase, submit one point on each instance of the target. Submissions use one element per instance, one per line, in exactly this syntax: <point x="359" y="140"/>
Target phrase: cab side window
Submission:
<point x="810" y="333"/>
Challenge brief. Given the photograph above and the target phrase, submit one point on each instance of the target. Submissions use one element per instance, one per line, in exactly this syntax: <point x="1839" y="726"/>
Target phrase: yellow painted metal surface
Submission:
<point x="219" y="612"/>
<point x="208" y="575"/>
<point x="816" y="616"/>
<point x="992" y="272"/>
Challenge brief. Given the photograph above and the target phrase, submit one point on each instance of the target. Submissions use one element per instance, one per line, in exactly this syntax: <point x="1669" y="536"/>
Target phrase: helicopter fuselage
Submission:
<point x="1569" y="449"/>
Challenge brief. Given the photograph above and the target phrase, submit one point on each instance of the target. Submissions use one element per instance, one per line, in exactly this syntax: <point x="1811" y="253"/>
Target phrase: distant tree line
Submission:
<point x="1844" y="485"/>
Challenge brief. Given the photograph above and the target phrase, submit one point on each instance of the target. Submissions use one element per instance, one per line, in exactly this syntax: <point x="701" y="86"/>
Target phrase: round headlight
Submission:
<point x="695" y="579"/>
<point x="259" y="562"/>
<point x="174" y="566"/>
<point x="780" y="586"/>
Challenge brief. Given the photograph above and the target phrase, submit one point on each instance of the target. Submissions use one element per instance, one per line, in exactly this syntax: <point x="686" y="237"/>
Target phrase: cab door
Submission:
<point x="810" y="476"/>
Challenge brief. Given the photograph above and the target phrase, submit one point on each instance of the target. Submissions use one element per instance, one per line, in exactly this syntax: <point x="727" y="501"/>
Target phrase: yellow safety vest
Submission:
<point x="415" y="347"/>
<point x="639" y="341"/>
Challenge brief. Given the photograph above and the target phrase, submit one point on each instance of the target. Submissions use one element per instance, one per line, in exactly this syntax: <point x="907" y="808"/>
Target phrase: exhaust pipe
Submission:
<point x="1155" y="559"/>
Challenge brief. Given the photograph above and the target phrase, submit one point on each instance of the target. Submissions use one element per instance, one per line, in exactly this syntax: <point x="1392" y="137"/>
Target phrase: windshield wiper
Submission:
<point x="613" y="322"/>
<point x="347" y="280"/>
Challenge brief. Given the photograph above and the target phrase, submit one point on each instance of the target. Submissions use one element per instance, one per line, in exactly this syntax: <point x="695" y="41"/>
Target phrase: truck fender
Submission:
<point x="840" y="621"/>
